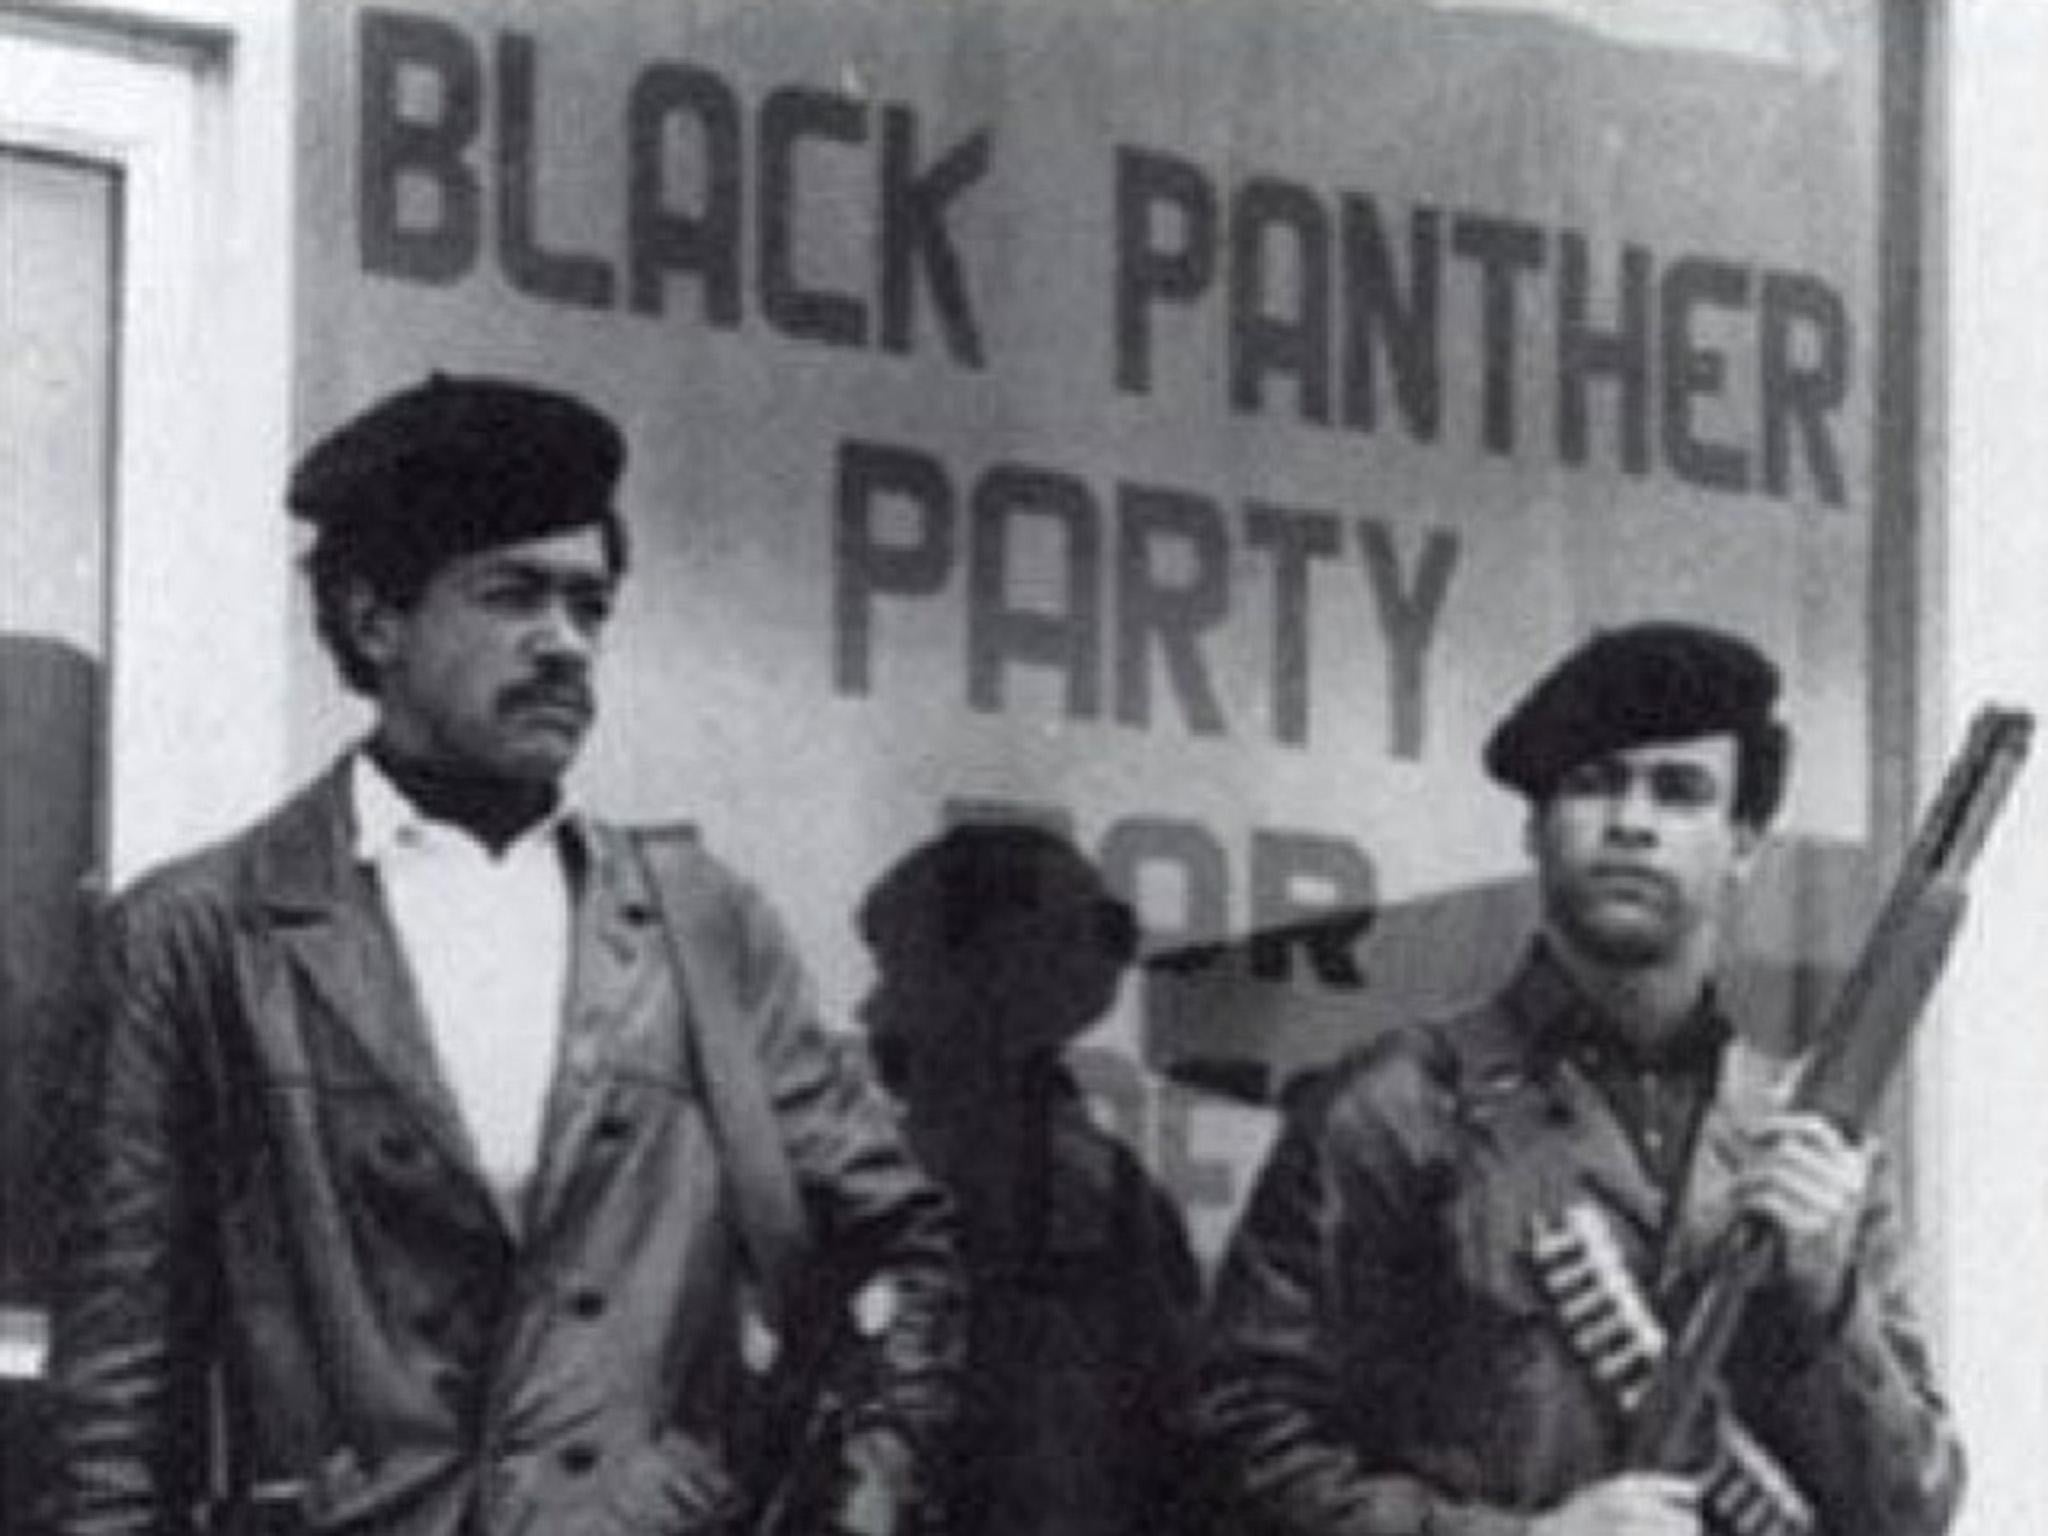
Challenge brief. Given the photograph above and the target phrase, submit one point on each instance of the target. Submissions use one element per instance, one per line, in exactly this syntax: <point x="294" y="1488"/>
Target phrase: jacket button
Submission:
<point x="397" y="1147"/>
<point x="586" y="1304"/>
<point x="579" y="1458"/>
<point x="613" y="1127"/>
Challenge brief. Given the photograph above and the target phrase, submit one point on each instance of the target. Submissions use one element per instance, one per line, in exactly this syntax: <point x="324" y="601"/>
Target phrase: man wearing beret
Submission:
<point x="1399" y="1347"/>
<point x="406" y="1212"/>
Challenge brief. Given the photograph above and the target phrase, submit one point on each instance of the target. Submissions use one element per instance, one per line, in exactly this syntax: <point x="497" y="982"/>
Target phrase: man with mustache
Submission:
<point x="409" y="1211"/>
<point x="1390" y="1355"/>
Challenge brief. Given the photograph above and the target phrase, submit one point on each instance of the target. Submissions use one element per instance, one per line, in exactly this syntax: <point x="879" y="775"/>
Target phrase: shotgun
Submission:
<point x="1859" y="1045"/>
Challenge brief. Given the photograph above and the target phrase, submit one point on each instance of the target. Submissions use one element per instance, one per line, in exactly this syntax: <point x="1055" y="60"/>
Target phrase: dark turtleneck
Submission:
<point x="1659" y="1092"/>
<point x="495" y="811"/>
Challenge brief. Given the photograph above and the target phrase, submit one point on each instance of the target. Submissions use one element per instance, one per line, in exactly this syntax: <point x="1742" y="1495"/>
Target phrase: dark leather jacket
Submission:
<point x="1383" y="1359"/>
<point x="281" y="1200"/>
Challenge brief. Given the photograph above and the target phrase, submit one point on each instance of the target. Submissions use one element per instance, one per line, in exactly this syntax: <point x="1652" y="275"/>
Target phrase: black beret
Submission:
<point x="454" y="465"/>
<point x="945" y="891"/>
<point x="1648" y="682"/>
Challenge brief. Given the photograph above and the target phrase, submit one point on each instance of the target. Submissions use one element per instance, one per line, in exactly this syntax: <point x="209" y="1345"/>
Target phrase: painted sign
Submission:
<point x="1189" y="424"/>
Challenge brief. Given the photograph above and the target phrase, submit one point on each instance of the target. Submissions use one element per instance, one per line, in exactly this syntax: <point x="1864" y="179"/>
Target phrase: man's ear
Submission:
<point x="1748" y="843"/>
<point x="374" y="624"/>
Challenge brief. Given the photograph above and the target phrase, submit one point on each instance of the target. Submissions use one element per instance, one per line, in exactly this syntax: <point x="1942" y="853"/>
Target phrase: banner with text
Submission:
<point x="1188" y="424"/>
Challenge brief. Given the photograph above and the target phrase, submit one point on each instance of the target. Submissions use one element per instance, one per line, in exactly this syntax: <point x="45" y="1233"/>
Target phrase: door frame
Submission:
<point x="199" y="563"/>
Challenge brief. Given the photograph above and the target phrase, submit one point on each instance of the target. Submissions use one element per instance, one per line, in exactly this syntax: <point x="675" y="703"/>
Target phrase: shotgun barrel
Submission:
<point x="1857" y="1050"/>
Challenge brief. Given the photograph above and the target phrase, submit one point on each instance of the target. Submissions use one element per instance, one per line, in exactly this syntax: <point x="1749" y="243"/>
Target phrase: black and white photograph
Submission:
<point x="1023" y="767"/>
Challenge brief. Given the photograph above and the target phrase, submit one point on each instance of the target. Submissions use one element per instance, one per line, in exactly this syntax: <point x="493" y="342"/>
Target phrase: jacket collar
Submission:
<point x="302" y="865"/>
<point x="308" y="857"/>
<point x="323" y="904"/>
<point x="1535" y="1036"/>
<point x="330" y="922"/>
<point x="1560" y="1020"/>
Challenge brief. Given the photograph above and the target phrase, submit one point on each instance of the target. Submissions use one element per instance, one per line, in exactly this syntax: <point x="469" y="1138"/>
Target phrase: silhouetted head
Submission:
<point x="991" y="938"/>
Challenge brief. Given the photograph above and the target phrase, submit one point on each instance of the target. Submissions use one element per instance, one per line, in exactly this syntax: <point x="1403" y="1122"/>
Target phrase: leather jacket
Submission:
<point x="289" y="1281"/>
<point x="1384" y="1361"/>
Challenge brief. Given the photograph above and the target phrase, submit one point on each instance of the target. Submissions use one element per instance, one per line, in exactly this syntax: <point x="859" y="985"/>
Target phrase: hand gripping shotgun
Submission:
<point x="1864" y="1035"/>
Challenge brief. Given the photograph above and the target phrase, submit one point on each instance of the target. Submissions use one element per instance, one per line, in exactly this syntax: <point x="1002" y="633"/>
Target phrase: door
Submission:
<point x="59" y="249"/>
<point x="59" y="227"/>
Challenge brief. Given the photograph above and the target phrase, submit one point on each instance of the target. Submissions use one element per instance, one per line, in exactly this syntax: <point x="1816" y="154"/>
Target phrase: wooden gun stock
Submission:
<point x="1860" y="1044"/>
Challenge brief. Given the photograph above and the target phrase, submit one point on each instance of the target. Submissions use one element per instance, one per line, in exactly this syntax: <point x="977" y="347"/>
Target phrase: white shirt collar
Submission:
<point x="386" y="821"/>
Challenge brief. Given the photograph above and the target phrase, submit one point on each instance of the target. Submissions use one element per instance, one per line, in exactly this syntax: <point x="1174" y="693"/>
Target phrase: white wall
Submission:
<point x="191" y="100"/>
<point x="1986" y="1097"/>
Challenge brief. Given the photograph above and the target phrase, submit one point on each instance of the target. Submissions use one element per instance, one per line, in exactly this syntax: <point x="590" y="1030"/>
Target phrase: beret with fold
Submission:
<point x="457" y="464"/>
<point x="946" y="891"/>
<point x="1660" y="680"/>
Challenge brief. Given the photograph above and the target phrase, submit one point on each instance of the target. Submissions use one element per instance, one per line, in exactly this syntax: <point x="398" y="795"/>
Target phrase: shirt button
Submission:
<point x="579" y="1458"/>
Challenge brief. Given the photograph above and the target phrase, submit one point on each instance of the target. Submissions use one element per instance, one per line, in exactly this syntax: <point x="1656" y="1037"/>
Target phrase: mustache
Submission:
<point x="556" y="692"/>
